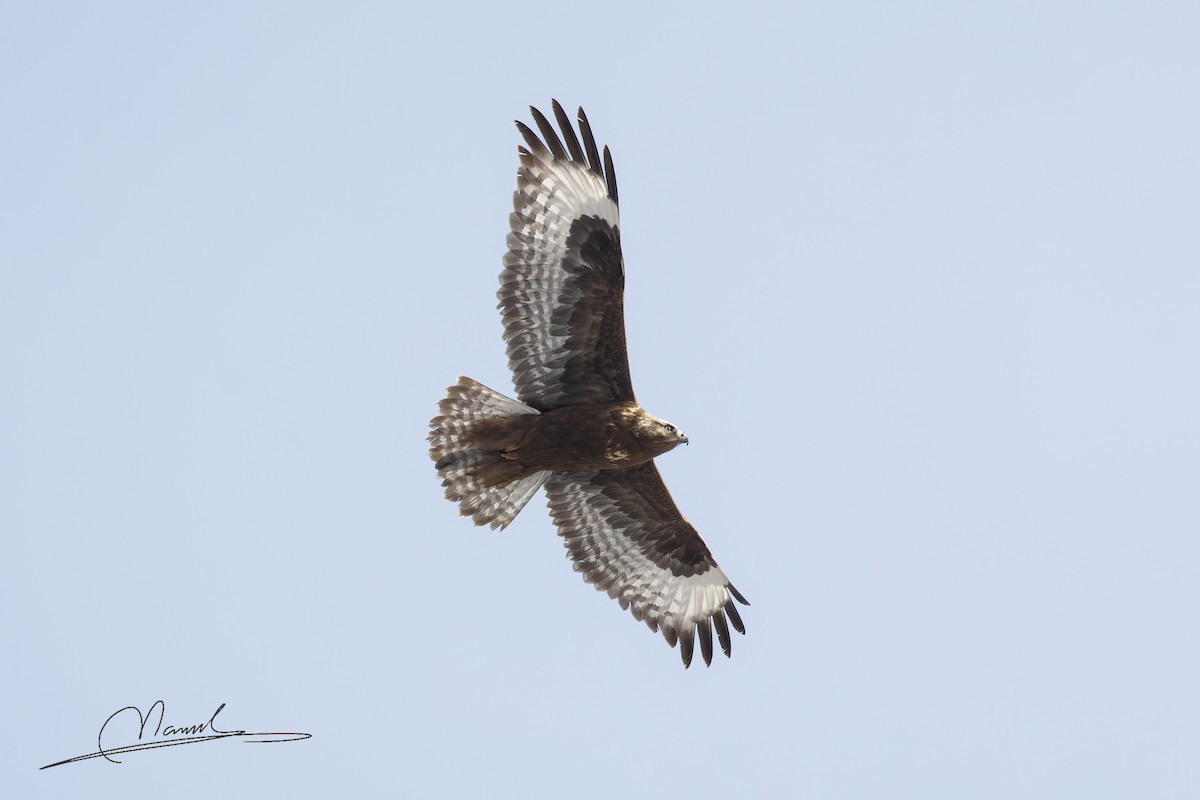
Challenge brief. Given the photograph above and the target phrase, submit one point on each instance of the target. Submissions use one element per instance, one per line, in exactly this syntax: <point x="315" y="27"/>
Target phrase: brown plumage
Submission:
<point x="577" y="428"/>
<point x="583" y="437"/>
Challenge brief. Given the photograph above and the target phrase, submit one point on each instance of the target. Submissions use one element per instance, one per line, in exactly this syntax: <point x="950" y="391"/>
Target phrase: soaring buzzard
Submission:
<point x="577" y="429"/>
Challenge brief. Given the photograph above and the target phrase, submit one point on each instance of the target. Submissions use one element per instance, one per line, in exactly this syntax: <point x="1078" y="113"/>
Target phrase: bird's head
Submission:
<point x="659" y="433"/>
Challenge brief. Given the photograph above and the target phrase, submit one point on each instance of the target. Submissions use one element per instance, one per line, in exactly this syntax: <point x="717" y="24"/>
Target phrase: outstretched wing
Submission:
<point x="626" y="536"/>
<point x="562" y="288"/>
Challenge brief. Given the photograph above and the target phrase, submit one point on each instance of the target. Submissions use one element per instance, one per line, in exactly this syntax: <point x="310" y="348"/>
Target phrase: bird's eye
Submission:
<point x="671" y="428"/>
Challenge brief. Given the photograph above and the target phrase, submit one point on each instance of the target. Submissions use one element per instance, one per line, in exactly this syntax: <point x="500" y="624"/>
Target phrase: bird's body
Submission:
<point x="595" y="436"/>
<point x="577" y="428"/>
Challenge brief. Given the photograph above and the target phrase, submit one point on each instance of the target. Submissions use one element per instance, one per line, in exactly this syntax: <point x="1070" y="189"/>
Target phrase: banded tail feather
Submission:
<point x="487" y="487"/>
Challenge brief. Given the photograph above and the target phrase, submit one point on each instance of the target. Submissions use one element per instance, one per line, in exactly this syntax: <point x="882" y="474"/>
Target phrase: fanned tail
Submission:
<point x="487" y="488"/>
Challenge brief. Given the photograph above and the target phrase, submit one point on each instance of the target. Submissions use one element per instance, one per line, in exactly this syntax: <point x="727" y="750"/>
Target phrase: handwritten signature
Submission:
<point x="178" y="735"/>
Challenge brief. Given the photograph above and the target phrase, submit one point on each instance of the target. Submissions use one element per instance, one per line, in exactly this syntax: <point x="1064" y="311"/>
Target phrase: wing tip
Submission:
<point x="587" y="154"/>
<point x="702" y="630"/>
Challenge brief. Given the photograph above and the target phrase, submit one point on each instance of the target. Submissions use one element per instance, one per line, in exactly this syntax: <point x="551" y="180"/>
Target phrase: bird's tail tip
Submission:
<point x="487" y="488"/>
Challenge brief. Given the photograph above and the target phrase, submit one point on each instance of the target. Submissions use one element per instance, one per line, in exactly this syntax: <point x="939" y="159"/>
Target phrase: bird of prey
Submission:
<point x="575" y="427"/>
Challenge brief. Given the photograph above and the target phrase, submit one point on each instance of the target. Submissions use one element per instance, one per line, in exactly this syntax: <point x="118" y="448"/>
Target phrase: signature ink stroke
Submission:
<point x="179" y="735"/>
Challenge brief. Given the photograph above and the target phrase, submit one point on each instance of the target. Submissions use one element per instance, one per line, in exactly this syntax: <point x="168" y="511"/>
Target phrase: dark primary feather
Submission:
<point x="548" y="135"/>
<point x="732" y="611"/>
<point x="723" y="632"/>
<point x="610" y="174"/>
<point x="704" y="627"/>
<point x="535" y="146"/>
<point x="564" y="123"/>
<point x="589" y="141"/>
<point x="687" y="643"/>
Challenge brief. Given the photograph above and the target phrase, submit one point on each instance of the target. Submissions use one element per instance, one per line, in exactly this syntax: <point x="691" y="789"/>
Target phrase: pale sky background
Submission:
<point x="920" y="280"/>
